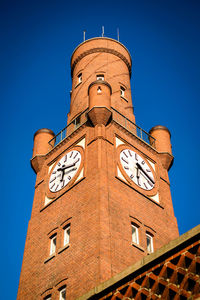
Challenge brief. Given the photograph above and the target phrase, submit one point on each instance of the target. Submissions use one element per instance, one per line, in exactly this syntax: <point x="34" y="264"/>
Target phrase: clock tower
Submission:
<point x="102" y="194"/>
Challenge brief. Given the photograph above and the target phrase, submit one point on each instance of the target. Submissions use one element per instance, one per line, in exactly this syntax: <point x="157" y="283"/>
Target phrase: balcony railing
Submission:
<point x="69" y="129"/>
<point x="116" y="117"/>
<point x="132" y="127"/>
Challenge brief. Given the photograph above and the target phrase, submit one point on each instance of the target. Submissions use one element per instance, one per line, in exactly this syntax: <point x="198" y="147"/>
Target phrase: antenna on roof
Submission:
<point x="84" y="31"/>
<point x="118" y="34"/>
<point x="102" y="31"/>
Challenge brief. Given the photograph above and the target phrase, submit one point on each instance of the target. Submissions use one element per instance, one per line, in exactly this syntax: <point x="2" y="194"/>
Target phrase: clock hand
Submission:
<point x="140" y="167"/>
<point x="70" y="171"/>
<point x="137" y="175"/>
<point x="62" y="169"/>
<point x="65" y="173"/>
<point x="69" y="166"/>
<point x="66" y="167"/>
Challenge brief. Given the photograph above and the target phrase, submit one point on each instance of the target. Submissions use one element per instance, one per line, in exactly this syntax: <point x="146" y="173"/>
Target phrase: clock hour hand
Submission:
<point x="143" y="171"/>
<point x="63" y="173"/>
<point x="137" y="175"/>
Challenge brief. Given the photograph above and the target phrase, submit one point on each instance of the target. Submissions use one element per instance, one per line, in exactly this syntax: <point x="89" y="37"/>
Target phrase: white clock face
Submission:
<point x="137" y="169"/>
<point x="64" y="170"/>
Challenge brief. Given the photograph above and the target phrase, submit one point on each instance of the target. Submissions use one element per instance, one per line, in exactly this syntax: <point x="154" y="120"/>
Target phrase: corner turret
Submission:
<point x="41" y="147"/>
<point x="163" y="144"/>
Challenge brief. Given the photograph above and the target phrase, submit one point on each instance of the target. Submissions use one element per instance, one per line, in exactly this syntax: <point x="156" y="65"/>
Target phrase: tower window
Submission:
<point x="135" y="235"/>
<point x="77" y="121"/>
<point x="62" y="293"/>
<point x="80" y="78"/>
<point x="122" y="91"/>
<point x="47" y="297"/>
<point x="99" y="90"/>
<point x="53" y="244"/>
<point x="149" y="240"/>
<point x="100" y="77"/>
<point x="66" y="235"/>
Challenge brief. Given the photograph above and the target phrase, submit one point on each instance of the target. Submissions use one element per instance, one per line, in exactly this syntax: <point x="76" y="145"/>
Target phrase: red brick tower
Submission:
<point x="102" y="195"/>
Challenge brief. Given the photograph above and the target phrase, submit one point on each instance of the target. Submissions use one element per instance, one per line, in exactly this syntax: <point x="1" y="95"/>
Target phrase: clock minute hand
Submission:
<point x="140" y="167"/>
<point x="70" y="171"/>
<point x="66" y="167"/>
<point x="64" y="173"/>
<point x="69" y="166"/>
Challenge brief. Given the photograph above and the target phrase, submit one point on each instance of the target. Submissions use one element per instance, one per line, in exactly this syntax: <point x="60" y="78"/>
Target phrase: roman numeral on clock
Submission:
<point x="52" y="179"/>
<point x="125" y="154"/>
<point x="145" y="185"/>
<point x="75" y="155"/>
<point x="56" y="187"/>
<point x="52" y="186"/>
<point x="124" y="160"/>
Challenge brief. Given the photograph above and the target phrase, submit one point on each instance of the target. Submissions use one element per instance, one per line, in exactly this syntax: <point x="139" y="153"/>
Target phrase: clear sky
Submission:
<point x="37" y="40"/>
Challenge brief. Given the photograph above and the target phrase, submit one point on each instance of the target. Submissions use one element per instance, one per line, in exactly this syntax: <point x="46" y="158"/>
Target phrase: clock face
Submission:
<point x="65" y="170"/>
<point x="137" y="169"/>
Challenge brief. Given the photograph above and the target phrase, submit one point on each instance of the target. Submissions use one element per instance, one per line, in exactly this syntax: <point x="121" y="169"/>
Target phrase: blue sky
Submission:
<point x="37" y="40"/>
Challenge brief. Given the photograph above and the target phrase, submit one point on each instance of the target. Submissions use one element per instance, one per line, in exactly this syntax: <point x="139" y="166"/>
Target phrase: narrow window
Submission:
<point x="80" y="78"/>
<point x="77" y="121"/>
<point x="53" y="244"/>
<point x="99" y="90"/>
<point x="135" y="235"/>
<point x="100" y="77"/>
<point x="122" y="91"/>
<point x="149" y="240"/>
<point x="62" y="293"/>
<point x="66" y="234"/>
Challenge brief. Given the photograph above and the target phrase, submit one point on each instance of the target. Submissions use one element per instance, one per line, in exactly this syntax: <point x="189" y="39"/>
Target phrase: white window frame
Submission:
<point x="63" y="290"/>
<point x="80" y="78"/>
<point x="135" y="234"/>
<point x="77" y="121"/>
<point x="53" y="244"/>
<point x="150" y="247"/>
<point x="100" y="77"/>
<point x="47" y="297"/>
<point x="122" y="91"/>
<point x="66" y="235"/>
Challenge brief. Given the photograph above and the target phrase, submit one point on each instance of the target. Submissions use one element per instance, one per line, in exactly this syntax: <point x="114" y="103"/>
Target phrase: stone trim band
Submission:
<point x="106" y="50"/>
